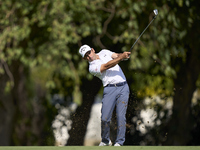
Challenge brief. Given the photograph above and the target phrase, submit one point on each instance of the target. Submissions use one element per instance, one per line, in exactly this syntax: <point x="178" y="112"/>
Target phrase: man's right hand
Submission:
<point x="125" y="55"/>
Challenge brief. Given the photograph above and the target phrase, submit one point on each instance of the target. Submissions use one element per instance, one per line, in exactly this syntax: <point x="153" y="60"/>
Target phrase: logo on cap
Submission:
<point x="83" y="49"/>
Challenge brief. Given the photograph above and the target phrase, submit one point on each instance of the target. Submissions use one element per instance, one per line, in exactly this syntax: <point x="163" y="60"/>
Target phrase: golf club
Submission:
<point x="155" y="11"/>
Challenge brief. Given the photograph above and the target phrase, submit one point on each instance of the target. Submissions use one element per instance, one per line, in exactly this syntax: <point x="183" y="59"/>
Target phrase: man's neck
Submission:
<point x="97" y="57"/>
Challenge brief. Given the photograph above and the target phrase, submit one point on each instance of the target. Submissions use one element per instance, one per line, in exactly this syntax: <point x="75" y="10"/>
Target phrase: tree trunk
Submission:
<point x="81" y="117"/>
<point x="182" y="122"/>
<point x="7" y="112"/>
<point x="13" y="106"/>
<point x="22" y="120"/>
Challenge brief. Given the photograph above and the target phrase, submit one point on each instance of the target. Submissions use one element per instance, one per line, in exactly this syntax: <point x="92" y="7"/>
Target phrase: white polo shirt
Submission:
<point x="113" y="75"/>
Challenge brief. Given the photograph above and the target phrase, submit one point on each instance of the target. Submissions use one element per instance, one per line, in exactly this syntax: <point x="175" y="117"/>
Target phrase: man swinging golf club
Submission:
<point x="104" y="65"/>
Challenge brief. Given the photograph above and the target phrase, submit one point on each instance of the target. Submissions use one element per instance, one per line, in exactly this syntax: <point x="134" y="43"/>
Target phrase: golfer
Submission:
<point x="104" y="65"/>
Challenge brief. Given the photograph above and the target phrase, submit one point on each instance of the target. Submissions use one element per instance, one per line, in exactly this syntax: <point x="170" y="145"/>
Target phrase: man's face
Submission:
<point x="90" y="55"/>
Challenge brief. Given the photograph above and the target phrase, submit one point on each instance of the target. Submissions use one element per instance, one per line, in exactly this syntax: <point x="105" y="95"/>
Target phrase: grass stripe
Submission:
<point x="100" y="148"/>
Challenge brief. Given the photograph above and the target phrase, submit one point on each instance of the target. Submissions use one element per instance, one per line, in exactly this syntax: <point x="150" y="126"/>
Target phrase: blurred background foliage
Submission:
<point x="39" y="58"/>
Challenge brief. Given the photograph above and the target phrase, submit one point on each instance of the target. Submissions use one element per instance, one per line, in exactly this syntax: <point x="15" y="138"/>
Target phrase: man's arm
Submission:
<point x="116" y="59"/>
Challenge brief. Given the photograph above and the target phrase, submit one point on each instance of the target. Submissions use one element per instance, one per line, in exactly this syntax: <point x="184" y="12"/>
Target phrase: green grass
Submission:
<point x="100" y="148"/>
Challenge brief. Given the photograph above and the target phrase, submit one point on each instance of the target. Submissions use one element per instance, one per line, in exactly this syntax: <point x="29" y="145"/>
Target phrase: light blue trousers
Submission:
<point x="114" y="96"/>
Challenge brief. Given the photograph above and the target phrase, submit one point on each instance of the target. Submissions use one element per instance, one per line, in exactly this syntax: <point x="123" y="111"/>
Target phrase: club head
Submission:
<point x="155" y="11"/>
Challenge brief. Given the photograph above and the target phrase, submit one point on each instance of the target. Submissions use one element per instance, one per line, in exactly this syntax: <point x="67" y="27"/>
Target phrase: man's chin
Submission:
<point x="91" y="59"/>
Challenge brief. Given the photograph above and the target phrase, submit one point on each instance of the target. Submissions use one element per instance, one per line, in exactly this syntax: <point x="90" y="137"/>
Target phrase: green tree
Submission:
<point x="173" y="45"/>
<point x="185" y="63"/>
<point x="39" y="58"/>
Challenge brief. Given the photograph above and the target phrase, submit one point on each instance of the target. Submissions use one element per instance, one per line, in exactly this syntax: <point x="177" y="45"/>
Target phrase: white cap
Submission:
<point x="84" y="49"/>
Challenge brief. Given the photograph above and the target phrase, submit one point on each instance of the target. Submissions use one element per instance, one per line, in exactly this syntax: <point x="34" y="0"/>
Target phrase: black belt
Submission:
<point x="116" y="85"/>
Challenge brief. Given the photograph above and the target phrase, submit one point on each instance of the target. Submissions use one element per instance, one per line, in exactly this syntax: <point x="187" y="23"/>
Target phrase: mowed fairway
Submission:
<point x="100" y="148"/>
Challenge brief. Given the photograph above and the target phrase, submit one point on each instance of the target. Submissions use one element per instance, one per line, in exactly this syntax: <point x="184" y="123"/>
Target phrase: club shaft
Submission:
<point x="141" y="34"/>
